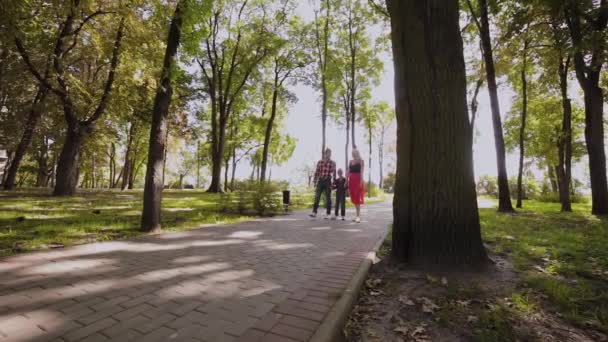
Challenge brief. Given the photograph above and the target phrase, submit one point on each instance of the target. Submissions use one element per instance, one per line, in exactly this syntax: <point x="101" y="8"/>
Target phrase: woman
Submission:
<point x="356" y="184"/>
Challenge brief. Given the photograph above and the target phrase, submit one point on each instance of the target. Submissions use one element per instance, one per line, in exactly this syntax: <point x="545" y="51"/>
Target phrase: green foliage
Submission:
<point x="96" y="216"/>
<point x="531" y="188"/>
<point x="560" y="255"/>
<point x="389" y="183"/>
<point x="372" y="190"/>
<point x="487" y="185"/>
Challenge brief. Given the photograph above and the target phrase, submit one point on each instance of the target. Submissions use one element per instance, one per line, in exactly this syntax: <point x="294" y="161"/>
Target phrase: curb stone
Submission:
<point x="333" y="324"/>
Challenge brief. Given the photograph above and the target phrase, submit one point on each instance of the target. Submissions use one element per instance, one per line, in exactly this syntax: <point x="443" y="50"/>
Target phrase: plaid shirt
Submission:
<point x="326" y="169"/>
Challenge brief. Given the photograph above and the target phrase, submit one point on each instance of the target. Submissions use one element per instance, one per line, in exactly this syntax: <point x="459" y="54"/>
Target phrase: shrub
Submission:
<point x="530" y="186"/>
<point x="487" y="185"/>
<point x="372" y="190"/>
<point x="553" y="197"/>
<point x="388" y="183"/>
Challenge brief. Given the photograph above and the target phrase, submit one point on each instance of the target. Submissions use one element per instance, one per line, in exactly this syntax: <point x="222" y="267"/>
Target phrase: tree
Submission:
<point x="232" y="51"/>
<point x="288" y="58"/>
<point x="78" y="129"/>
<point x="386" y="117"/>
<point x="588" y="24"/>
<point x="150" y="220"/>
<point x="434" y="158"/>
<point x="483" y="25"/>
<point x="322" y="39"/>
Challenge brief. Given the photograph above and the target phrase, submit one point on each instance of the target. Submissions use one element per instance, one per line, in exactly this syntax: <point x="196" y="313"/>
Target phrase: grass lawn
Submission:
<point x="550" y="283"/>
<point x="562" y="259"/>
<point x="32" y="219"/>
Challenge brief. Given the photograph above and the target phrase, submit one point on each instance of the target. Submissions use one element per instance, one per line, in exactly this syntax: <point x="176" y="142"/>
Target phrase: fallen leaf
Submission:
<point x="406" y="300"/>
<point x="444" y="281"/>
<point x="432" y="279"/>
<point x="401" y="330"/>
<point x="472" y="319"/>
<point x="375" y="293"/>
<point x="428" y="306"/>
<point x="463" y="303"/>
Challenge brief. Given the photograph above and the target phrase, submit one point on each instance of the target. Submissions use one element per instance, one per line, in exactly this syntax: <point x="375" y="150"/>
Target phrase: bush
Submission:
<point x="254" y="198"/>
<point x="388" y="183"/>
<point x="487" y="185"/>
<point x="553" y="197"/>
<point x="530" y="186"/>
<point x="372" y="190"/>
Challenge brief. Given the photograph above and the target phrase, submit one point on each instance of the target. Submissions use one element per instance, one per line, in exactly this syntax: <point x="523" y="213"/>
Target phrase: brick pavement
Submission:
<point x="264" y="280"/>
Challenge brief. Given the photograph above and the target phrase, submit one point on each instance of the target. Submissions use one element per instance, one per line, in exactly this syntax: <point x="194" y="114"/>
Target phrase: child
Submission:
<point x="340" y="185"/>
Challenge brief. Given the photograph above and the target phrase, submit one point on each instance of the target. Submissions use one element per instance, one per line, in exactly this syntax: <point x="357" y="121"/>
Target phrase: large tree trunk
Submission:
<point x="435" y="207"/>
<point x="504" y="197"/>
<point x="153" y="188"/>
<point x="226" y="165"/>
<point x="594" y="137"/>
<point x="522" y="128"/>
<point x="269" y="126"/>
<point x="589" y="75"/>
<point x="68" y="165"/>
<point x="564" y="145"/>
<point x="26" y="138"/>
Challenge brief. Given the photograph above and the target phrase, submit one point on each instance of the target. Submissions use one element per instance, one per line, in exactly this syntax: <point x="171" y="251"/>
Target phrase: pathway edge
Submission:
<point x="330" y="329"/>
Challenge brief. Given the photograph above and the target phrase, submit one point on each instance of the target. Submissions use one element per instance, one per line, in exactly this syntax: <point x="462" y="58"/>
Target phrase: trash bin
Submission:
<point x="286" y="202"/>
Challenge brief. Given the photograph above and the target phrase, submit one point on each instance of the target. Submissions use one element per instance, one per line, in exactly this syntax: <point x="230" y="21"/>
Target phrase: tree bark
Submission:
<point x="565" y="140"/>
<point x="504" y="197"/>
<point x="270" y="124"/>
<point x="26" y="139"/>
<point x="522" y="128"/>
<point x="589" y="77"/>
<point x="128" y="165"/>
<point x="369" y="167"/>
<point x="69" y="160"/>
<point x="381" y="158"/>
<point x="435" y="209"/>
<point x="154" y="183"/>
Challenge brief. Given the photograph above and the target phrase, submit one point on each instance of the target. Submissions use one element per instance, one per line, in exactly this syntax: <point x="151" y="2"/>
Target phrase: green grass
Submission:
<point x="560" y="256"/>
<point x="33" y="220"/>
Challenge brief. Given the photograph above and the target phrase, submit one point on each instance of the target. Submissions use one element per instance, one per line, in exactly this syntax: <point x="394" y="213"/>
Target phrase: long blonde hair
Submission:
<point x="356" y="154"/>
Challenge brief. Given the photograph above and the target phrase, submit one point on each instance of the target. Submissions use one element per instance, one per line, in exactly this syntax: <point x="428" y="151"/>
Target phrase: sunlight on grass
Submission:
<point x="562" y="256"/>
<point x="34" y="220"/>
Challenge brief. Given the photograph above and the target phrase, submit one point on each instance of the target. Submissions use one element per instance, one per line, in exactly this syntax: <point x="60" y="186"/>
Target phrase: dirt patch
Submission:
<point x="402" y="304"/>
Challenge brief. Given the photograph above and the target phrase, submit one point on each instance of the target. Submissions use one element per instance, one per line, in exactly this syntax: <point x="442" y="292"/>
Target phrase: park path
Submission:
<point x="264" y="280"/>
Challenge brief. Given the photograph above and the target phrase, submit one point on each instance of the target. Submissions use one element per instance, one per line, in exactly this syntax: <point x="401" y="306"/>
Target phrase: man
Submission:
<point x="323" y="180"/>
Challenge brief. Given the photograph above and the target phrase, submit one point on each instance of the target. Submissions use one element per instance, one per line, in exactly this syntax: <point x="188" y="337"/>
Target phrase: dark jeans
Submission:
<point x="341" y="202"/>
<point x="323" y="187"/>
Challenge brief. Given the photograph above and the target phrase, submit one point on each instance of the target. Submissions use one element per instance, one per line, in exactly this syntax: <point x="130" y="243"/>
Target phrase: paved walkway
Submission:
<point x="265" y="280"/>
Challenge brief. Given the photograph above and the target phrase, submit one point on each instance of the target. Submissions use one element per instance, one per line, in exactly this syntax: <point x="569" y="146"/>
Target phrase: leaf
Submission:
<point x="406" y="300"/>
<point x="472" y="319"/>
<point x="431" y="279"/>
<point x="402" y="330"/>
<point x="444" y="281"/>
<point x="375" y="293"/>
<point x="463" y="303"/>
<point x="428" y="306"/>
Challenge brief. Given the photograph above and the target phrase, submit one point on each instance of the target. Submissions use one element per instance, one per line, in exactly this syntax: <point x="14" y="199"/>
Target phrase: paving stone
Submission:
<point x="265" y="280"/>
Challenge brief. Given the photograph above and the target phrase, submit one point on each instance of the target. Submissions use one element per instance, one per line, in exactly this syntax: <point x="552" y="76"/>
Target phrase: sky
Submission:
<point x="303" y="123"/>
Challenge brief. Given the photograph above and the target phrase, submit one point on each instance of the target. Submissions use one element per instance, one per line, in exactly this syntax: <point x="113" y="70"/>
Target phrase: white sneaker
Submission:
<point x="327" y="217"/>
<point x="358" y="220"/>
<point x="334" y="217"/>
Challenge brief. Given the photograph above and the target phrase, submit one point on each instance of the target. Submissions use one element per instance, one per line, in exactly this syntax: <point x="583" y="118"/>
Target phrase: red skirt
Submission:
<point x="355" y="188"/>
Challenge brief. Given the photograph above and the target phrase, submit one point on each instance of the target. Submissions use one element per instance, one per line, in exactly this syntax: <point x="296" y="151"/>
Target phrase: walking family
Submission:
<point x="327" y="178"/>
